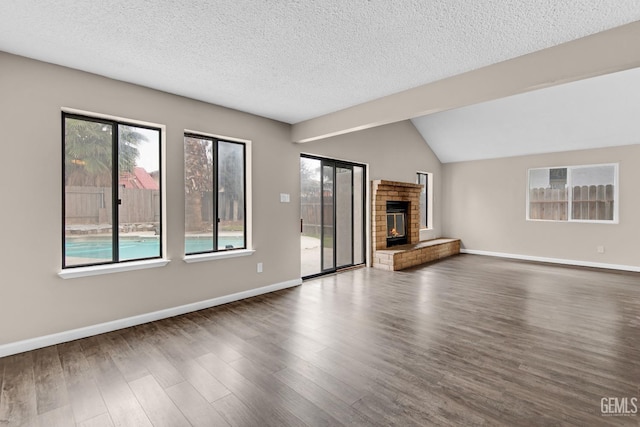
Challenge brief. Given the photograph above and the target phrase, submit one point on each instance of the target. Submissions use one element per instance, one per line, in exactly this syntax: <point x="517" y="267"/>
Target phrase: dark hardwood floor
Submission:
<point x="469" y="340"/>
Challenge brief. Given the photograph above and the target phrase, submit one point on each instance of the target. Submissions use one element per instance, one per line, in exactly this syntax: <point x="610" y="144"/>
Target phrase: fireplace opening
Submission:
<point x="397" y="223"/>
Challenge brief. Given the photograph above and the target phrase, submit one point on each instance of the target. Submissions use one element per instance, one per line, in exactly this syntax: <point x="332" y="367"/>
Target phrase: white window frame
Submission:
<point x="70" y="273"/>
<point x="211" y="256"/>
<point x="616" y="197"/>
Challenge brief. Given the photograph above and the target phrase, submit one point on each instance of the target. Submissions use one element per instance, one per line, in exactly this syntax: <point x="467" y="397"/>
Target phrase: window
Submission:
<point x="112" y="195"/>
<point x="423" y="178"/>
<point x="575" y="193"/>
<point x="215" y="192"/>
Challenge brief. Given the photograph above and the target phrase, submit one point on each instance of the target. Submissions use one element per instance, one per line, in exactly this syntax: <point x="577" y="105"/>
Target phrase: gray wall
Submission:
<point x="484" y="204"/>
<point x="393" y="152"/>
<point x="481" y="202"/>
<point x="35" y="302"/>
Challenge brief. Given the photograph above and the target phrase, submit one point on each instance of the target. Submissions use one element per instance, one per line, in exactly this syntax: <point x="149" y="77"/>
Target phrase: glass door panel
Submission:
<point x="328" y="217"/>
<point x="358" y="215"/>
<point x="344" y="216"/>
<point x="311" y="216"/>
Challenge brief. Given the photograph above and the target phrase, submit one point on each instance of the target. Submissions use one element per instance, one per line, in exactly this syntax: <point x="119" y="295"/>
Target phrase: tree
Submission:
<point x="198" y="157"/>
<point x="310" y="178"/>
<point x="199" y="181"/>
<point x="88" y="152"/>
<point x="128" y="141"/>
<point x="231" y="181"/>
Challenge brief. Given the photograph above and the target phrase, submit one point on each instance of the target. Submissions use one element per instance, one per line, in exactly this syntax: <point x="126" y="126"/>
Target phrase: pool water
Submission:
<point x="143" y="248"/>
<point x="198" y="245"/>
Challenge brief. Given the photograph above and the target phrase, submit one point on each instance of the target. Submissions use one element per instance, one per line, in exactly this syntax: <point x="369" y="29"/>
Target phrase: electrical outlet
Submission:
<point x="259" y="267"/>
<point x="600" y="249"/>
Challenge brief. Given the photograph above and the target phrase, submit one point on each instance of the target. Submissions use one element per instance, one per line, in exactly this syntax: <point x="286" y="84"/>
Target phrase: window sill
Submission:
<point x="217" y="255"/>
<point x="97" y="270"/>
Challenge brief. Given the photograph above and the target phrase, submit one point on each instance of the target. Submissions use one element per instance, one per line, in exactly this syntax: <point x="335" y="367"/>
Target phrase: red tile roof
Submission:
<point x="140" y="178"/>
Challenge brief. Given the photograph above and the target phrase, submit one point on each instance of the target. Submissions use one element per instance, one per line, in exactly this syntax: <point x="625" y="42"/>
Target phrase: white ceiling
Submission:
<point x="293" y="60"/>
<point x="598" y="112"/>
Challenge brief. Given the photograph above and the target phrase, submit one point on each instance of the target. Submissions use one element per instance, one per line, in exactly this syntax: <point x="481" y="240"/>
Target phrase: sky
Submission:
<point x="149" y="150"/>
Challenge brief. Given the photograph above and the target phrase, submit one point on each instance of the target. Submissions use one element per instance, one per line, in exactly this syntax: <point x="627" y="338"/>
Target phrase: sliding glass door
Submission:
<point x="332" y="222"/>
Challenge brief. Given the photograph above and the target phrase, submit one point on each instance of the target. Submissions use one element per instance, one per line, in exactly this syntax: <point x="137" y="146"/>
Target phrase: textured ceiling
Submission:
<point x="293" y="60"/>
<point x="598" y="112"/>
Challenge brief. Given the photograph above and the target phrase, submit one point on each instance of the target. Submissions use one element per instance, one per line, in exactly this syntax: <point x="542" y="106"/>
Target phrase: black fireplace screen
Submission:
<point x="397" y="232"/>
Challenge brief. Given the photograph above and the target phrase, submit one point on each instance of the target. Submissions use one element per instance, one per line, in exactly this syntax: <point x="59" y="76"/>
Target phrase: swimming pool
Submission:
<point x="141" y="248"/>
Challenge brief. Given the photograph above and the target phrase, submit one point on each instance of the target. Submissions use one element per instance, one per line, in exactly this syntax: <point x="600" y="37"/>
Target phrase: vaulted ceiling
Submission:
<point x="302" y="62"/>
<point x="599" y="112"/>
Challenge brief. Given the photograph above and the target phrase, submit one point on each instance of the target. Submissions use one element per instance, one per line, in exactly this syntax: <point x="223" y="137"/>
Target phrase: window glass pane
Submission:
<point x="138" y="193"/>
<point x="548" y="199"/>
<point x="88" y="153"/>
<point x="231" y="225"/>
<point x="593" y="193"/>
<point x="422" y="179"/>
<point x="591" y="190"/>
<point x="198" y="186"/>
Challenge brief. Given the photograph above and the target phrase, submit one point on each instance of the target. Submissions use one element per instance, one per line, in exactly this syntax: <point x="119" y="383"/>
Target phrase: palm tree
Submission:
<point x="88" y="152"/>
<point x="128" y="141"/>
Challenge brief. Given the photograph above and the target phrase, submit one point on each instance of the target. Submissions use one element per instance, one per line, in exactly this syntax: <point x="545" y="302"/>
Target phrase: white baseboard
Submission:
<point x="553" y="260"/>
<point x="74" y="334"/>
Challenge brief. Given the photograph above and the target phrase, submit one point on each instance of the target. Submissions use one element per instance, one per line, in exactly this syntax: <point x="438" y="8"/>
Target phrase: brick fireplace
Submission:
<point x="392" y="191"/>
<point x="395" y="213"/>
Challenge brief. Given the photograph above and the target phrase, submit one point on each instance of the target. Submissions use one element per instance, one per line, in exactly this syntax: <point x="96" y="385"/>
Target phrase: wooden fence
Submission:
<point x="93" y="205"/>
<point x="311" y="213"/>
<point x="593" y="202"/>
